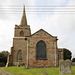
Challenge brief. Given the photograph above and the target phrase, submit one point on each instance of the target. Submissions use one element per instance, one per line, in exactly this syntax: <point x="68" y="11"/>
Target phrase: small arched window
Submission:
<point x="21" y="33"/>
<point x="20" y="55"/>
<point x="41" y="50"/>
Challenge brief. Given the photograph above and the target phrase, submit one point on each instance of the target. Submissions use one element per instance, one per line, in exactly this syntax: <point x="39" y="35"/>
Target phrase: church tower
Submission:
<point x="19" y="48"/>
<point x="19" y="43"/>
<point x="23" y="30"/>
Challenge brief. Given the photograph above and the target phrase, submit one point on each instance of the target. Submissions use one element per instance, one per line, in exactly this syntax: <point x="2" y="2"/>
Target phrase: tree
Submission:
<point x="67" y="54"/>
<point x="73" y="60"/>
<point x="3" y="58"/>
<point x="6" y="53"/>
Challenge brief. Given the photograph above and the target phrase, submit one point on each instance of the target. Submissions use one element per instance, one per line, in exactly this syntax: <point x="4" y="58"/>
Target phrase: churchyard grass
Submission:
<point x="0" y="74"/>
<point x="37" y="71"/>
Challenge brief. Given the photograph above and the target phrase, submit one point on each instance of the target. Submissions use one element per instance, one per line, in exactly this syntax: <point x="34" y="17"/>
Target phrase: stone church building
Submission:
<point x="33" y="50"/>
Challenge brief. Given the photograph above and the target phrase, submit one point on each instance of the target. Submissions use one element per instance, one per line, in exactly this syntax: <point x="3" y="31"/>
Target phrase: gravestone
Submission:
<point x="68" y="67"/>
<point x="44" y="73"/>
<point x="65" y="66"/>
<point x="19" y="63"/>
<point x="62" y="67"/>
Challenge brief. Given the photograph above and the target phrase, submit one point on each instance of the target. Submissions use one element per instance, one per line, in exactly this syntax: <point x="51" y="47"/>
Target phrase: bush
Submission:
<point x="2" y="64"/>
<point x="73" y="60"/>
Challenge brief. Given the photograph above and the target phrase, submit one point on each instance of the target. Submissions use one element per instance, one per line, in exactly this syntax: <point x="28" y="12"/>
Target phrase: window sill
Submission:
<point x="41" y="59"/>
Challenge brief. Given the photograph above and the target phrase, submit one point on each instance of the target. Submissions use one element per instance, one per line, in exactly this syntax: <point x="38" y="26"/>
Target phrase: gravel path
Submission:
<point x="3" y="72"/>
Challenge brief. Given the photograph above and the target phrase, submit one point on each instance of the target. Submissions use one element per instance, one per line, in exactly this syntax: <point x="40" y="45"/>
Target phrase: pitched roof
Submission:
<point x="45" y="32"/>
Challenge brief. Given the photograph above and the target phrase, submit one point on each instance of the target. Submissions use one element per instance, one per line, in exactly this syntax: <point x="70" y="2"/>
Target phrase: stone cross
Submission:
<point x="44" y="73"/>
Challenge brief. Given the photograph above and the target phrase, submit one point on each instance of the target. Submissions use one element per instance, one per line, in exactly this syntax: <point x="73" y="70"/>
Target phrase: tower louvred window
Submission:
<point x="21" y="33"/>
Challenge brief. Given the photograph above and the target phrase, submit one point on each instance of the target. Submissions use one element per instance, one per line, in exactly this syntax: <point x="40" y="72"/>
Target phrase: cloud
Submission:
<point x="6" y="34"/>
<point x="71" y="3"/>
<point x="51" y="2"/>
<point x="57" y="24"/>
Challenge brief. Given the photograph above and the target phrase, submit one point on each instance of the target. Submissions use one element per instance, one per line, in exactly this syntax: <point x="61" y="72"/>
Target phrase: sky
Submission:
<point x="60" y="24"/>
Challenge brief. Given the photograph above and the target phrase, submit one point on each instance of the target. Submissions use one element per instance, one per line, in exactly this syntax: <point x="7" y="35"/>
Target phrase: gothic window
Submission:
<point x="41" y="50"/>
<point x="21" y="33"/>
<point x="20" y="55"/>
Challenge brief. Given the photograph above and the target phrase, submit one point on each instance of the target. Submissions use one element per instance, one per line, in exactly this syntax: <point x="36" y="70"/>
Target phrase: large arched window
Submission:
<point x="20" y="55"/>
<point x="21" y="33"/>
<point x="41" y="50"/>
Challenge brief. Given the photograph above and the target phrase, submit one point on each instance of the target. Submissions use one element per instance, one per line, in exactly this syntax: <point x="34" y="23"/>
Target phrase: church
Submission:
<point x="33" y="50"/>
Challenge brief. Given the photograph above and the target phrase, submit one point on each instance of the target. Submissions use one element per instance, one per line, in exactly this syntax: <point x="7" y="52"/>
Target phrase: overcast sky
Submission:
<point x="60" y="24"/>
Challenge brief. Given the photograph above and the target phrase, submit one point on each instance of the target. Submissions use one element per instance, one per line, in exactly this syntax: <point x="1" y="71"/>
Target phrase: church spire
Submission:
<point x="23" y="20"/>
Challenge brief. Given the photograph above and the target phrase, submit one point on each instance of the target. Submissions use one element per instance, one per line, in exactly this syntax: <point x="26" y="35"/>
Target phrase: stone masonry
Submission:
<point x="19" y="48"/>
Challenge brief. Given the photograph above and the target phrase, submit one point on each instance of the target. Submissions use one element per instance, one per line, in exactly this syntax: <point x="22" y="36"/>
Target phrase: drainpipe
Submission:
<point x="27" y="54"/>
<point x="55" y="53"/>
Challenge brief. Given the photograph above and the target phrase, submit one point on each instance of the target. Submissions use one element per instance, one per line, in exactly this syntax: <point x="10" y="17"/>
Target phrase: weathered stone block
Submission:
<point x="65" y="67"/>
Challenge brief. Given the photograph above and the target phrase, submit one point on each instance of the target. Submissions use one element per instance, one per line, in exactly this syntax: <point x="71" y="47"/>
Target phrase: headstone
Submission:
<point x="44" y="73"/>
<point x="65" y="67"/>
<point x="61" y="65"/>
<point x="18" y="65"/>
<point x="68" y="67"/>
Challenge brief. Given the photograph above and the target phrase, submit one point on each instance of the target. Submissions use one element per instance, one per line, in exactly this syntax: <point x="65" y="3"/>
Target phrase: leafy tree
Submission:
<point x="3" y="58"/>
<point x="6" y="53"/>
<point x="73" y="60"/>
<point x="67" y="54"/>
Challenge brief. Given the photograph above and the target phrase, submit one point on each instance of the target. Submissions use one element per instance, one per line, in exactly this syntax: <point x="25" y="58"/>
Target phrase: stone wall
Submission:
<point x="26" y="30"/>
<point x="19" y="44"/>
<point x="49" y="40"/>
<point x="73" y="63"/>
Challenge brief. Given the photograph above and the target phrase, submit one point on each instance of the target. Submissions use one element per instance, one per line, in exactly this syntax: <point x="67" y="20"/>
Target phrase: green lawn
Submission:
<point x="37" y="71"/>
<point x="0" y="74"/>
